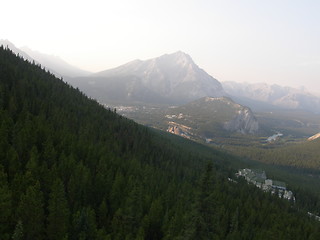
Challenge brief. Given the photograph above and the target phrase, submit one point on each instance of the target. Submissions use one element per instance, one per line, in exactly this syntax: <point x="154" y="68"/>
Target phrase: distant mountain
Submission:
<point x="171" y="78"/>
<point x="262" y="95"/>
<point x="7" y="44"/>
<point x="53" y="63"/>
<point x="209" y="117"/>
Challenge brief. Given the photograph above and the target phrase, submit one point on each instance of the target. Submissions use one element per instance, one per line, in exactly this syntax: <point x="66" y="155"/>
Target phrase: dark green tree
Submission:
<point x="5" y="206"/>
<point x="84" y="224"/>
<point x="31" y="213"/>
<point x="18" y="231"/>
<point x="102" y="215"/>
<point x="205" y="207"/>
<point x="153" y="221"/>
<point x="58" y="218"/>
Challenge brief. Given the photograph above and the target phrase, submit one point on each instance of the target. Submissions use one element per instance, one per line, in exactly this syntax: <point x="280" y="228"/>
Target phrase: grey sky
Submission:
<point x="274" y="41"/>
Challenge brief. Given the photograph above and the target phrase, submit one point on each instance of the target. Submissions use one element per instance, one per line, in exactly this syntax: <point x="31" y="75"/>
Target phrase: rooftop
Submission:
<point x="278" y="184"/>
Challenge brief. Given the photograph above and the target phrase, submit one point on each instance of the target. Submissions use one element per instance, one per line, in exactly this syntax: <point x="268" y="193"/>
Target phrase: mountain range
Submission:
<point x="169" y="79"/>
<point x="261" y="96"/>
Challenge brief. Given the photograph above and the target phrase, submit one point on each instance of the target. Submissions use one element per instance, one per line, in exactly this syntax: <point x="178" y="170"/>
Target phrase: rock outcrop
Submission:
<point x="244" y="122"/>
<point x="314" y="137"/>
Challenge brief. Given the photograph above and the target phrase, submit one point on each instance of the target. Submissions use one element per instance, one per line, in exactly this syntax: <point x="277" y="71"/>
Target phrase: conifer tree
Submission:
<point x="5" y="205"/>
<point x="31" y="213"/>
<point x="102" y="214"/>
<point x="18" y="231"/>
<point x="84" y="224"/>
<point x="204" y="210"/>
<point x="58" y="218"/>
<point x="153" y="221"/>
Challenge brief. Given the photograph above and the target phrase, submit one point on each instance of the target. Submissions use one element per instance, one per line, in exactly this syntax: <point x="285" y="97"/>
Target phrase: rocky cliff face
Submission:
<point x="243" y="122"/>
<point x="209" y="117"/>
<point x="314" y="137"/>
<point x="179" y="129"/>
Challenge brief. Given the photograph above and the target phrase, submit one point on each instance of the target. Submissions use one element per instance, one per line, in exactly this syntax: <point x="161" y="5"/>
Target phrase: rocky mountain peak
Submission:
<point x="179" y="58"/>
<point x="174" y="77"/>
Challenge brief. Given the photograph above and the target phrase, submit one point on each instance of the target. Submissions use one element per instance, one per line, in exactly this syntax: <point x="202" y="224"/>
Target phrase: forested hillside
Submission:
<point x="71" y="169"/>
<point x="299" y="155"/>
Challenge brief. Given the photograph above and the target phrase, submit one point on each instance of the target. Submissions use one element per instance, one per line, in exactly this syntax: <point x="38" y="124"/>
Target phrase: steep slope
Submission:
<point x="53" y="63"/>
<point x="273" y="95"/>
<point x="171" y="78"/>
<point x="70" y="169"/>
<point x="210" y="117"/>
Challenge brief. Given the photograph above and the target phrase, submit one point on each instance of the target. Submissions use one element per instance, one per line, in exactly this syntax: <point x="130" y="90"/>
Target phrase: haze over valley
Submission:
<point x="148" y="91"/>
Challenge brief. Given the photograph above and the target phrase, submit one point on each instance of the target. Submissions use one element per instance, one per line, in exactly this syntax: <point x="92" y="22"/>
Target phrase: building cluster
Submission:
<point x="314" y="216"/>
<point x="259" y="179"/>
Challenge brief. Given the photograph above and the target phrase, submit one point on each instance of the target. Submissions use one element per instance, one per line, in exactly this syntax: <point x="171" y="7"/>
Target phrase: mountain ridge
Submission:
<point x="269" y="96"/>
<point x="52" y="63"/>
<point x="57" y="64"/>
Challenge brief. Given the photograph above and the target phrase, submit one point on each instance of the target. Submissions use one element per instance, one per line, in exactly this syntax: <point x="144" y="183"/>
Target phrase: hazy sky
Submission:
<point x="274" y="41"/>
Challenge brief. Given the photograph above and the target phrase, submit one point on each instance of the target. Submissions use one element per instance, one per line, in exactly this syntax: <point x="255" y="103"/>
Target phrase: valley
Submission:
<point x="290" y="158"/>
<point x="289" y="154"/>
<point x="290" y="126"/>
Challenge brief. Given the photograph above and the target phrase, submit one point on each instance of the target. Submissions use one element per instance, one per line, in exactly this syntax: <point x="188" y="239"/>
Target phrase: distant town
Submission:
<point x="260" y="180"/>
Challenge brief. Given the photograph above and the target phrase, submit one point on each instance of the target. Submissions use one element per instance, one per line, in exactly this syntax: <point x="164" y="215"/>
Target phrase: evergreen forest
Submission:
<point x="72" y="170"/>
